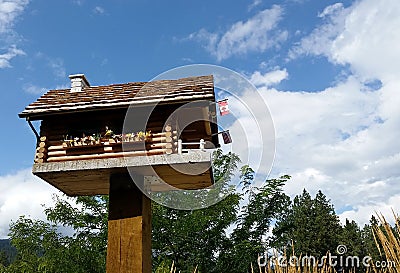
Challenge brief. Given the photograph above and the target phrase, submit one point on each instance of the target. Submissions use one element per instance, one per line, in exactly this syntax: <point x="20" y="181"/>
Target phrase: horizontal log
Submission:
<point x="42" y="144"/>
<point x="76" y="152"/>
<point x="55" y="148"/>
<point x="43" y="138"/>
<point x="164" y="134"/>
<point x="164" y="139"/>
<point x="106" y="155"/>
<point x="54" y="142"/>
<point x="39" y="160"/>
<point x="57" y="153"/>
<point x="162" y="144"/>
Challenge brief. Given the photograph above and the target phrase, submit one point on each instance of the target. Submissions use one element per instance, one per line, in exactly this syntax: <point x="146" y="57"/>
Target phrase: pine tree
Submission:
<point x="351" y="237"/>
<point x="4" y="259"/>
<point x="310" y="224"/>
<point x="370" y="243"/>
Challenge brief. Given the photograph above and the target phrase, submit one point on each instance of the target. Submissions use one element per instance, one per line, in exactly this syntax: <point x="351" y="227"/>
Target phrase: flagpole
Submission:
<point x="219" y="133"/>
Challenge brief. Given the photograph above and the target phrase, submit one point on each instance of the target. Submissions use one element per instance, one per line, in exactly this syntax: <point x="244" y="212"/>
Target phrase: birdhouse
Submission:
<point x="161" y="130"/>
<point x="97" y="139"/>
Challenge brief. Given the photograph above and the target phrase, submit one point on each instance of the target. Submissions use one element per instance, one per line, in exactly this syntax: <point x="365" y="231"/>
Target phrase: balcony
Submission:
<point x="82" y="166"/>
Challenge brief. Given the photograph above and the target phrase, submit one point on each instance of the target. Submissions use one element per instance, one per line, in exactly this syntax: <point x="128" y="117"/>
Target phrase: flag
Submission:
<point x="226" y="136"/>
<point x="223" y="107"/>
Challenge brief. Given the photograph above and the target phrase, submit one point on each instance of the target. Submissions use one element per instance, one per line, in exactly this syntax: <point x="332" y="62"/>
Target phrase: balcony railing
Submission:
<point x="181" y="146"/>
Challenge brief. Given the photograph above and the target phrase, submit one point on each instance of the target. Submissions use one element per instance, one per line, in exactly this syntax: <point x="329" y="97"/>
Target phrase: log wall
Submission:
<point x="155" y="144"/>
<point x="55" y="130"/>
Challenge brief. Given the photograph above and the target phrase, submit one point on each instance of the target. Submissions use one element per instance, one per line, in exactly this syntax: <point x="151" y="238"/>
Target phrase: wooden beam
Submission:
<point x="129" y="227"/>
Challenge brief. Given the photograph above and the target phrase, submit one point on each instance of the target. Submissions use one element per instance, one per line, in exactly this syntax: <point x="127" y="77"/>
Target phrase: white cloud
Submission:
<point x="254" y="4"/>
<point x="257" y="34"/>
<point x="363" y="35"/>
<point x="57" y="65"/>
<point x="34" y="89"/>
<point x="252" y="132"/>
<point x="40" y="90"/>
<point x="344" y="140"/>
<point x="9" y="11"/>
<point x="269" y="78"/>
<point x="78" y="2"/>
<point x="364" y="212"/>
<point x="368" y="39"/>
<point x="5" y="58"/>
<point x="22" y="193"/>
<point x="331" y="10"/>
<point x="319" y="42"/>
<point x="335" y="141"/>
<point x="98" y="10"/>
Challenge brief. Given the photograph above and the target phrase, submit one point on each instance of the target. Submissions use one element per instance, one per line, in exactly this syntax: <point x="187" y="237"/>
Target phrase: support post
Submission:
<point x="129" y="226"/>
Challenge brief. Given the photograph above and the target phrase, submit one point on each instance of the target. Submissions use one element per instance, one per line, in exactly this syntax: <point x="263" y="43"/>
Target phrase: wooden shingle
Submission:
<point x="121" y="96"/>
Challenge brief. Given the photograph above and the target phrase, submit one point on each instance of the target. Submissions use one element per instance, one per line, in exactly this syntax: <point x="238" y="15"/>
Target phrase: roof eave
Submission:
<point x="40" y="114"/>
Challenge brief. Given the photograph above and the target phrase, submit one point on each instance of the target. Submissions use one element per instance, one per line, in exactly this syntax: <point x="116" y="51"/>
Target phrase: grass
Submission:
<point x="388" y="243"/>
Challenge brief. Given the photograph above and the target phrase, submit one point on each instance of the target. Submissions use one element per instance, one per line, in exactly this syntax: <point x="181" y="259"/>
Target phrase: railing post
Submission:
<point x="180" y="146"/>
<point x="202" y="144"/>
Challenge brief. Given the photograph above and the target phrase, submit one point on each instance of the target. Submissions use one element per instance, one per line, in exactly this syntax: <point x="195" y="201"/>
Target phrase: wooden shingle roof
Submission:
<point x="121" y="95"/>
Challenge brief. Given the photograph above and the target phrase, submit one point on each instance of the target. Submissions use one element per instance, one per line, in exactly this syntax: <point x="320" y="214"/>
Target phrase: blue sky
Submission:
<point x="327" y="70"/>
<point x="124" y="41"/>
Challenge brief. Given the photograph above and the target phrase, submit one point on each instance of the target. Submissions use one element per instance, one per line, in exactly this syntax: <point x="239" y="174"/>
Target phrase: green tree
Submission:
<point x="41" y="247"/>
<point x="351" y="237"/>
<point x="7" y="252"/>
<point x="192" y="238"/>
<point x="195" y="238"/>
<point x="222" y="236"/>
<point x="311" y="225"/>
<point x="248" y="238"/>
<point x="373" y="246"/>
<point x="229" y="234"/>
<point x="4" y="259"/>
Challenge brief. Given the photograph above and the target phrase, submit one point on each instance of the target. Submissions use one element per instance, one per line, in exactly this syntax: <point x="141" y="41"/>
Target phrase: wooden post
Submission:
<point x="129" y="227"/>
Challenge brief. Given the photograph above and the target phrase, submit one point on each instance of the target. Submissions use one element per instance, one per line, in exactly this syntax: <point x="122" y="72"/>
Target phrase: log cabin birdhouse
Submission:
<point x="88" y="133"/>
<point x="91" y="136"/>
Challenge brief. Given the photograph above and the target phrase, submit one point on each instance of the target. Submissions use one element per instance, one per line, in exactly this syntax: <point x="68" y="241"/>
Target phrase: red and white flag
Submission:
<point x="226" y="136"/>
<point x="223" y="107"/>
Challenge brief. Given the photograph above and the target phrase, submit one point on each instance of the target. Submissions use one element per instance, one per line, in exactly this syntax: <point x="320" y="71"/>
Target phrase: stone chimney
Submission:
<point x="78" y="82"/>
